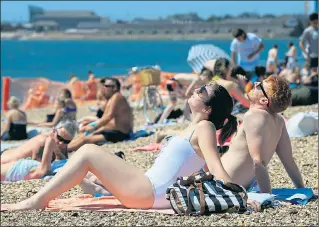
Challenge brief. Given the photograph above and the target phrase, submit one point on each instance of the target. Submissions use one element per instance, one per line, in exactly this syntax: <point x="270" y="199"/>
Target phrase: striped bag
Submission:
<point x="201" y="194"/>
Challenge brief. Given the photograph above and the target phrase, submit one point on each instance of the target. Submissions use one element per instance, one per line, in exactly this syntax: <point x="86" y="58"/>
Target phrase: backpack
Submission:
<point x="201" y="194"/>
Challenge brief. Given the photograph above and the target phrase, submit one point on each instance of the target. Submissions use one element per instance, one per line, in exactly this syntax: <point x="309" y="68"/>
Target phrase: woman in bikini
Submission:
<point x="69" y="108"/>
<point x="186" y="153"/>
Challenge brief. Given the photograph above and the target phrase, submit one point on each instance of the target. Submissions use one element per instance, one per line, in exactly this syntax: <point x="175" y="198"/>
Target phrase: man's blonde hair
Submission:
<point x="279" y="93"/>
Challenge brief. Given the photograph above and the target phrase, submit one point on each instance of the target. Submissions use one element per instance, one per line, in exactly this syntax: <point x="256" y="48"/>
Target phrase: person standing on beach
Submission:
<point x="115" y="125"/>
<point x="272" y="60"/>
<point x="310" y="37"/>
<point x="91" y="87"/>
<point x="248" y="47"/>
<point x="291" y="57"/>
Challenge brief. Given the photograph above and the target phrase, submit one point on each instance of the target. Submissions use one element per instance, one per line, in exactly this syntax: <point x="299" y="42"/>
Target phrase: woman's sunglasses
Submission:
<point x="200" y="92"/>
<point x="61" y="139"/>
<point x="260" y="84"/>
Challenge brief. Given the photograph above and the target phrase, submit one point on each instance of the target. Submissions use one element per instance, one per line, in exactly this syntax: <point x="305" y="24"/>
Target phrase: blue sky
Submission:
<point x="18" y="10"/>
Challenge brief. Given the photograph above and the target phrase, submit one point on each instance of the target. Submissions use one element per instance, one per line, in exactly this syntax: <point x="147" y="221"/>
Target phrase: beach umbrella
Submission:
<point x="201" y="53"/>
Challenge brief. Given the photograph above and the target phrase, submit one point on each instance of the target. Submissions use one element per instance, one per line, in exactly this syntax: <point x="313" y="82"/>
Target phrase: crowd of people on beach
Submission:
<point x="223" y="88"/>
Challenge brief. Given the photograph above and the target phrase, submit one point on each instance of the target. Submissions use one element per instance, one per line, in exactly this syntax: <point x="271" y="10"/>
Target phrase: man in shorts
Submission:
<point x="115" y="125"/>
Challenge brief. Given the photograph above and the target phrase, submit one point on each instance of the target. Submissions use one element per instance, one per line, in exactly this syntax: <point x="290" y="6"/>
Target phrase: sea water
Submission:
<point x="56" y="60"/>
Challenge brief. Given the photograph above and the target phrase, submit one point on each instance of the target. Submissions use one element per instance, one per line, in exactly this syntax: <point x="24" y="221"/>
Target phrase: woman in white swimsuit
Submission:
<point x="183" y="155"/>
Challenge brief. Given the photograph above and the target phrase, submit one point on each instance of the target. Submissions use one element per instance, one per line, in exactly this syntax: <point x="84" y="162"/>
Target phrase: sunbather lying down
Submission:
<point x="192" y="149"/>
<point x="55" y="142"/>
<point x="185" y="154"/>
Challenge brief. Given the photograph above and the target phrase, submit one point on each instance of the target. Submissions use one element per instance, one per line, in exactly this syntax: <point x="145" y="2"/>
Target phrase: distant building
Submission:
<point x="62" y="20"/>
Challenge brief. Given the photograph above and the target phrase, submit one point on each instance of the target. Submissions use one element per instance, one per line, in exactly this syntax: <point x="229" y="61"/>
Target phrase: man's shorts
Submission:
<point x="114" y="136"/>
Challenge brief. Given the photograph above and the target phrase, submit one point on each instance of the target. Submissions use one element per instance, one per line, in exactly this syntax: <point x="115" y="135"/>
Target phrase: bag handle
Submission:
<point x="190" y="205"/>
<point x="201" y="197"/>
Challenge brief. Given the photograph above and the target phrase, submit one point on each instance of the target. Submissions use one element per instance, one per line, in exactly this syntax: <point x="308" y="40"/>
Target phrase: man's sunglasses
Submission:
<point x="260" y="84"/>
<point x="61" y="139"/>
<point x="108" y="85"/>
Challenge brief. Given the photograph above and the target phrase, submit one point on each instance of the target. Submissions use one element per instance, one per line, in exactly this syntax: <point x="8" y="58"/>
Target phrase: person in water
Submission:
<point x="186" y="153"/>
<point x="16" y="122"/>
<point x="56" y="140"/>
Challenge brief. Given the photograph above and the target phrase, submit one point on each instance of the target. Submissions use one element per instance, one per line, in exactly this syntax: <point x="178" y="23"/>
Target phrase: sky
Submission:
<point x="127" y="10"/>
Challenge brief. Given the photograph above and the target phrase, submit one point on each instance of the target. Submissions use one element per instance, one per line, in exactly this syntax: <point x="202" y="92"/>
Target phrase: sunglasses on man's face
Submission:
<point x="260" y="84"/>
<point x="108" y="85"/>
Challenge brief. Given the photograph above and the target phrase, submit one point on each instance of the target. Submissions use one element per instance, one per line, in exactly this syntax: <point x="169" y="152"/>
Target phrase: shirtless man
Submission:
<point x="116" y="123"/>
<point x="56" y="140"/>
<point x="262" y="133"/>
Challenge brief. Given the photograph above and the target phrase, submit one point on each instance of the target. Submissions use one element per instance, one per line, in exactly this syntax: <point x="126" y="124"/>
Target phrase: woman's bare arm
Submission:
<point x="205" y="130"/>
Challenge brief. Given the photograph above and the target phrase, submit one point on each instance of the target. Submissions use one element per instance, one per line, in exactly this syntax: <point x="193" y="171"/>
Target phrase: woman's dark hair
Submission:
<point x="237" y="70"/>
<point x="221" y="104"/>
<point x="290" y="44"/>
<point x="221" y="65"/>
<point x="207" y="73"/>
<point x="67" y="93"/>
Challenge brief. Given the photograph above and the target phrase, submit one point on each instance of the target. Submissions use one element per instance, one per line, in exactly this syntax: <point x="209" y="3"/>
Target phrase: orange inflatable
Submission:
<point x="5" y="92"/>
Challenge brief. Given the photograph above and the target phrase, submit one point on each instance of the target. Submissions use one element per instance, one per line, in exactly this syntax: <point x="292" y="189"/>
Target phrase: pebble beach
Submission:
<point x="305" y="152"/>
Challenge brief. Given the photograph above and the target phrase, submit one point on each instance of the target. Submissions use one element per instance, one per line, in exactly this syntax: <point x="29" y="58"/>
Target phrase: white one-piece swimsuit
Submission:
<point x="176" y="159"/>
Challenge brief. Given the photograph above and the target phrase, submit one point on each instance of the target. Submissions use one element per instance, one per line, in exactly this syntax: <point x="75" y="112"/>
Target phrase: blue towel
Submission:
<point x="56" y="165"/>
<point x="298" y="196"/>
<point x="138" y="134"/>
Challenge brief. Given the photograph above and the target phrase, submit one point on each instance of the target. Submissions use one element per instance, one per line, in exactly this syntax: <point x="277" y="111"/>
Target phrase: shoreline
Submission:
<point x="64" y="37"/>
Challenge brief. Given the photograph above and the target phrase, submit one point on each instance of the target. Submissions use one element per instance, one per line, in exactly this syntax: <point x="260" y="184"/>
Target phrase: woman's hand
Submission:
<point x="255" y="205"/>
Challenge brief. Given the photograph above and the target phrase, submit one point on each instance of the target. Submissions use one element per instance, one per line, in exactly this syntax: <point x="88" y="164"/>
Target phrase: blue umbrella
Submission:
<point x="201" y="53"/>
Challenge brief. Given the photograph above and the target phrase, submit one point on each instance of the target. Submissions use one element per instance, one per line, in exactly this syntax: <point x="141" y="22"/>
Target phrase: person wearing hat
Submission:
<point x="16" y="125"/>
<point x="248" y="47"/>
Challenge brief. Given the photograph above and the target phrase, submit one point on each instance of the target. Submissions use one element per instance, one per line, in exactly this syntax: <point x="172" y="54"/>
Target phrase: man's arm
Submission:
<point x="208" y="147"/>
<point x="284" y="152"/>
<point x="303" y="39"/>
<point x="260" y="48"/>
<point x="233" y="50"/>
<point x="109" y="111"/>
<point x="256" y="140"/>
<point x="233" y="58"/>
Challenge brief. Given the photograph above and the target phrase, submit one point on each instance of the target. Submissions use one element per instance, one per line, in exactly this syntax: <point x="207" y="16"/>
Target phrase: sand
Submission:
<point x="305" y="151"/>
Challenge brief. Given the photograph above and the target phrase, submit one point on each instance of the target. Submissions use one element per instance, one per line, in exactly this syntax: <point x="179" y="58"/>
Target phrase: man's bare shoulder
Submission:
<point x="256" y="115"/>
<point x="261" y="117"/>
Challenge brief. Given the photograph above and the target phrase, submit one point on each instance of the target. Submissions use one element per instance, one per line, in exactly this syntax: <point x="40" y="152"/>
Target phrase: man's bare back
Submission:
<point x="238" y="161"/>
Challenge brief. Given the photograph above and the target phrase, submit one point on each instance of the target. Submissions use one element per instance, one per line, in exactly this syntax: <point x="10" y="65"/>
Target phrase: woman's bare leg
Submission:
<point x="126" y="182"/>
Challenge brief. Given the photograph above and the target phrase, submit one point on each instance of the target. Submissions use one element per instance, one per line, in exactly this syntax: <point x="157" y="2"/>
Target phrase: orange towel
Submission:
<point x="150" y="147"/>
<point x="88" y="202"/>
